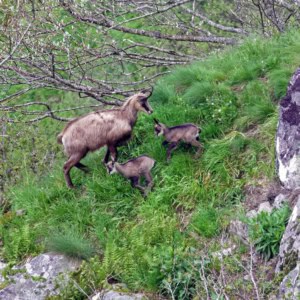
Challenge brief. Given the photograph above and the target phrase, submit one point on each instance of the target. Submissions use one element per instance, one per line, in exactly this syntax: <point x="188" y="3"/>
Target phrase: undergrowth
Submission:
<point x="266" y="230"/>
<point x="145" y="242"/>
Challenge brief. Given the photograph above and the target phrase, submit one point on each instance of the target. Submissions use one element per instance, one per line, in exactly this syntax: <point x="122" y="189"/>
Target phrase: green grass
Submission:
<point x="232" y="96"/>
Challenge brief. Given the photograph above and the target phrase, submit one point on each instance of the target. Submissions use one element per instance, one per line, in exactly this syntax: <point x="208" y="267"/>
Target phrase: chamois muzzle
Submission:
<point x="147" y="107"/>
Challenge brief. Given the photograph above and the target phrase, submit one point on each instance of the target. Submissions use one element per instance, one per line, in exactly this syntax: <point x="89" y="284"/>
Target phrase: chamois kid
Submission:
<point x="187" y="133"/>
<point x="109" y="128"/>
<point x="134" y="169"/>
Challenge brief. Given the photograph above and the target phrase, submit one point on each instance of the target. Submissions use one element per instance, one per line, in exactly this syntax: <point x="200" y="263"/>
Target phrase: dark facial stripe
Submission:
<point x="144" y="105"/>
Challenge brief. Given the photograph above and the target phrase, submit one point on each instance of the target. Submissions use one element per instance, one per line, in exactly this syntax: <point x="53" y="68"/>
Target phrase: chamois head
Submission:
<point x="110" y="167"/>
<point x="159" y="127"/>
<point x="140" y="102"/>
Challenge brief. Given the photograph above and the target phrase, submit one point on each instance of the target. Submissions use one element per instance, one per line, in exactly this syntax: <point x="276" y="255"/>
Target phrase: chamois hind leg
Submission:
<point x="172" y="147"/>
<point x="69" y="164"/>
<point x="199" y="146"/>
<point x="135" y="184"/>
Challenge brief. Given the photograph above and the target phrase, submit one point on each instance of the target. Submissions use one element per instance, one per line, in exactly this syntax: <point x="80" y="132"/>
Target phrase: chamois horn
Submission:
<point x="156" y="121"/>
<point x="149" y="90"/>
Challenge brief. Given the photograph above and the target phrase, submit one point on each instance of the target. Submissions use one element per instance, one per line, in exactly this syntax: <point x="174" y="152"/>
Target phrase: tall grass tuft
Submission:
<point x="72" y="244"/>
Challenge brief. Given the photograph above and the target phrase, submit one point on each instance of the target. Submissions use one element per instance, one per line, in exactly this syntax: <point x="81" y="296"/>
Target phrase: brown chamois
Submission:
<point x="187" y="133"/>
<point x="134" y="169"/>
<point x="109" y="128"/>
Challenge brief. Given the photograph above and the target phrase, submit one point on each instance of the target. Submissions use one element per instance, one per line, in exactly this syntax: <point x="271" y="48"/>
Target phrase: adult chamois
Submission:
<point x="133" y="170"/>
<point x="109" y="128"/>
<point x="187" y="133"/>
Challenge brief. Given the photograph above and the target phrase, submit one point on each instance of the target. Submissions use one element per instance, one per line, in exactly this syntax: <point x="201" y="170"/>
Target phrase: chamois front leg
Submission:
<point x="82" y="167"/>
<point x="165" y="143"/>
<point x="172" y="147"/>
<point x="106" y="157"/>
<point x="199" y="146"/>
<point x="113" y="153"/>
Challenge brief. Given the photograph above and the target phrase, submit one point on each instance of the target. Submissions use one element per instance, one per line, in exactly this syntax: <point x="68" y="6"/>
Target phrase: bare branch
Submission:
<point x="16" y="46"/>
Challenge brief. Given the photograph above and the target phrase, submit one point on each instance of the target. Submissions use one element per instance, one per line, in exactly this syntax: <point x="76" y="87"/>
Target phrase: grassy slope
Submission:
<point x="233" y="97"/>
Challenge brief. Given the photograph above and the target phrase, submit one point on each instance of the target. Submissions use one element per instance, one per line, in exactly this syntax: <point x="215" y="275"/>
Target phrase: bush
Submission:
<point x="266" y="230"/>
<point x="181" y="274"/>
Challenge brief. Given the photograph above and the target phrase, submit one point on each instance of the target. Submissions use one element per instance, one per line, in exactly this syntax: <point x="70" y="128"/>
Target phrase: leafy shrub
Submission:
<point x="181" y="272"/>
<point x="266" y="230"/>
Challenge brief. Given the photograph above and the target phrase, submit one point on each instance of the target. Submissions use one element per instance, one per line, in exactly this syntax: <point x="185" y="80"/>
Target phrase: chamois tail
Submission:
<point x="59" y="138"/>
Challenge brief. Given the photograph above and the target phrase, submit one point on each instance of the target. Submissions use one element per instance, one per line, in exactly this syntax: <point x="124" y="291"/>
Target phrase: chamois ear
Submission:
<point x="156" y="121"/>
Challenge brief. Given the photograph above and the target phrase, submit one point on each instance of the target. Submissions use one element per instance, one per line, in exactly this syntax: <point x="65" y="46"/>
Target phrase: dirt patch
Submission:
<point x="261" y="191"/>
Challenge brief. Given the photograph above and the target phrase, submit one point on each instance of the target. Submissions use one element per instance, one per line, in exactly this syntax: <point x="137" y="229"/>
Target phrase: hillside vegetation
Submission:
<point x="162" y="243"/>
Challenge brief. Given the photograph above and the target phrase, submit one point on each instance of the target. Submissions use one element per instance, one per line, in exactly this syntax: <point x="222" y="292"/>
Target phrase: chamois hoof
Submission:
<point x="145" y="193"/>
<point x="198" y="154"/>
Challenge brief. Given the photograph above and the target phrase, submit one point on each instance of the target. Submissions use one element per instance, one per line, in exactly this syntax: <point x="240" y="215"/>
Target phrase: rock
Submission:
<point x="251" y="214"/>
<point x="224" y="252"/>
<point x="288" y="135"/>
<point x="2" y="266"/>
<point x="113" y="295"/>
<point x="290" y="285"/>
<point x="289" y="251"/>
<point x="20" y="212"/>
<point x="265" y="206"/>
<point x="240" y="230"/>
<point x="280" y="200"/>
<point x="37" y="278"/>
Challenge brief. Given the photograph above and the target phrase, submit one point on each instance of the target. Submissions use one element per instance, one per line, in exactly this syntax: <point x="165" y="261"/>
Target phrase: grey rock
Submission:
<point x="2" y="267"/>
<point x="20" y="212"/>
<point x="289" y="251"/>
<point x="224" y="252"/>
<point x="288" y="135"/>
<point x="290" y="285"/>
<point x="280" y="200"/>
<point x="265" y="206"/>
<point x="38" y="278"/>
<point x="251" y="213"/>
<point x="114" y="295"/>
<point x="240" y="230"/>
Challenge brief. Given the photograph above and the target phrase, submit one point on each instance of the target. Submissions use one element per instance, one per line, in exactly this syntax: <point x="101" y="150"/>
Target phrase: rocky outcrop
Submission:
<point x="288" y="135"/>
<point x="289" y="257"/>
<point x="38" y="278"/>
<point x="2" y="267"/>
<point x="289" y="251"/>
<point x="239" y="230"/>
<point x="114" y="295"/>
<point x="290" y="286"/>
